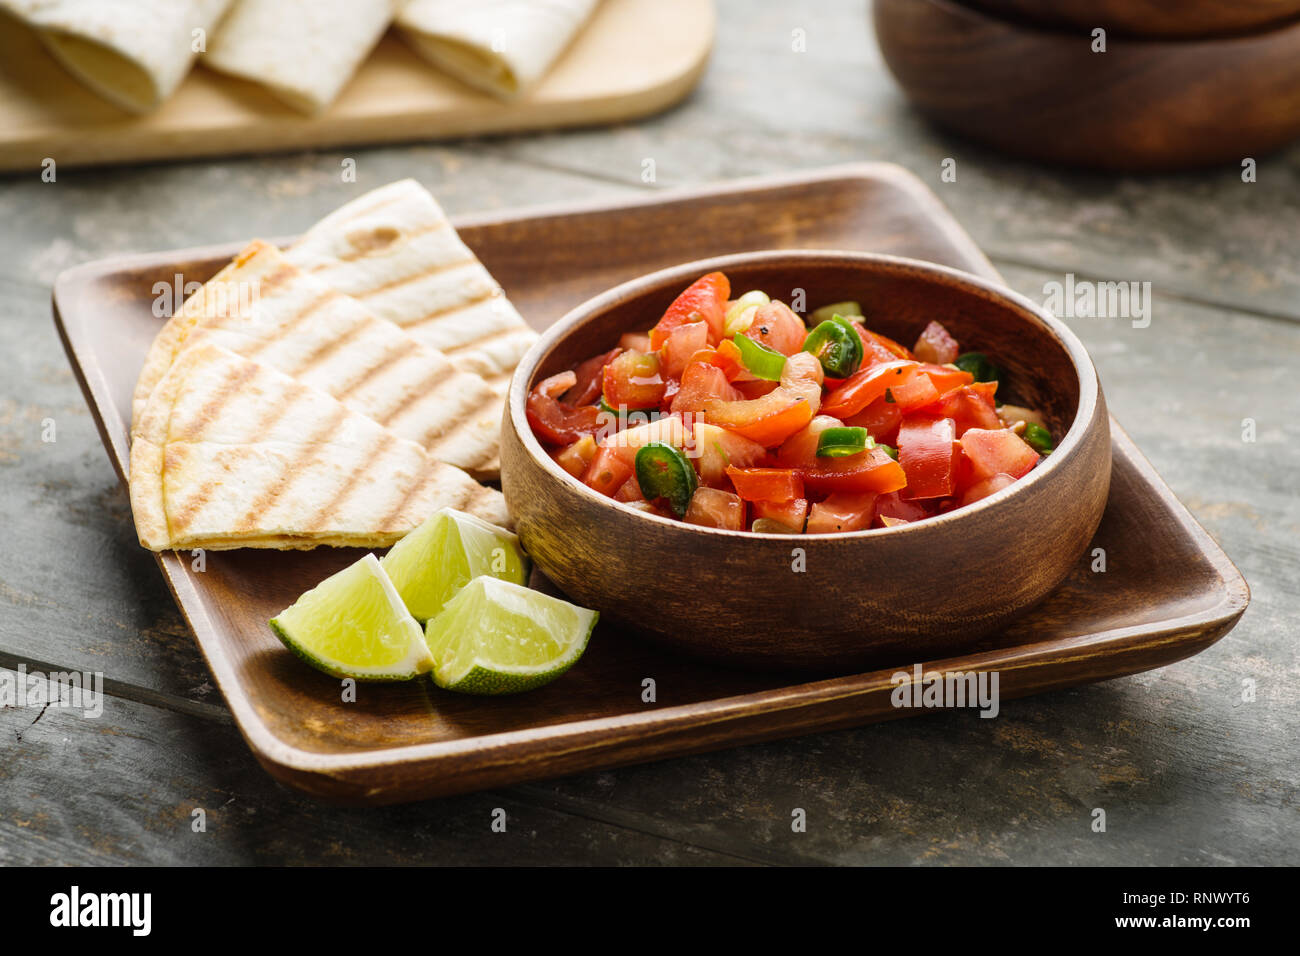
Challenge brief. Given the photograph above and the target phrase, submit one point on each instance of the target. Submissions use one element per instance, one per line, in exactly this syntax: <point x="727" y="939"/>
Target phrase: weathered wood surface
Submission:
<point x="1186" y="770"/>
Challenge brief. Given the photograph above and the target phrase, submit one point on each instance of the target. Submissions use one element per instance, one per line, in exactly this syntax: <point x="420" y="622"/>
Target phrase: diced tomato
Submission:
<point x="769" y="420"/>
<point x="879" y="348"/>
<point x="727" y="357"/>
<point x="780" y="413"/>
<point x="700" y="383"/>
<point x="635" y="340"/>
<point x="842" y="511"/>
<point x="671" y="388"/>
<point x="928" y="452"/>
<point x="778" y="328"/>
<point x="590" y="377"/>
<point x="624" y="444"/>
<point x="792" y="513"/>
<point x="650" y="507"/>
<point x="630" y="490"/>
<point x="704" y="301"/>
<point x="894" y="505"/>
<point x="774" y="417"/>
<point x="874" y="352"/>
<point x="575" y="458"/>
<point x="682" y="343"/>
<point x="713" y="449"/>
<point x="997" y="451"/>
<point x="865" y="386"/>
<point x="986" y="487"/>
<point x="607" y="471"/>
<point x="716" y="509"/>
<point x="880" y="419"/>
<point x="936" y="345"/>
<point x="969" y="406"/>
<point x="945" y="379"/>
<point x="871" y="470"/>
<point x="766" y="484"/>
<point x="634" y="380"/>
<point x="913" y="390"/>
<point x="553" y="421"/>
<point x="756" y="388"/>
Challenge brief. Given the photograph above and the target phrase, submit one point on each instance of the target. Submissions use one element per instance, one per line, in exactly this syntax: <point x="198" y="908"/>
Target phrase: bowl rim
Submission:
<point x="687" y="272"/>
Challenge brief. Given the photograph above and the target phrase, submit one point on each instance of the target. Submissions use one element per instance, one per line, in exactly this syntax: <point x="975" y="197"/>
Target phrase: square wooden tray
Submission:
<point x="1168" y="593"/>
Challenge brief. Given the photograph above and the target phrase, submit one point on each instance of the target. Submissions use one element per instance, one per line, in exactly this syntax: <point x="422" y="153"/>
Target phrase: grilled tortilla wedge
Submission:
<point x="265" y="309"/>
<point x="394" y="250"/>
<point x="233" y="454"/>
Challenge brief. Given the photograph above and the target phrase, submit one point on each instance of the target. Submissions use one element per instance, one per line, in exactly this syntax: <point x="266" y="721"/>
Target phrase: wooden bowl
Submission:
<point x="1143" y="105"/>
<point x="1148" y="18"/>
<point x="903" y="594"/>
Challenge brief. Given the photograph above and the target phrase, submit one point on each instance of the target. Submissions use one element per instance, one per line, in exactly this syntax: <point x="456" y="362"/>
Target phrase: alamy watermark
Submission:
<point x="946" y="689"/>
<point x="74" y="690"/>
<point x="1084" y="299"/>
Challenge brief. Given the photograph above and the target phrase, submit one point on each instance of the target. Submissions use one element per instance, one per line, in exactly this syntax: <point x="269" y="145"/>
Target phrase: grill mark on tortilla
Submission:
<point x="287" y="326"/>
<point x="417" y="485"/>
<point x="452" y="309"/>
<point x="187" y="512"/>
<point x="385" y="362"/>
<point x="443" y="434"/>
<point x="386" y="441"/>
<point x="312" y="450"/>
<point x="278" y="276"/>
<point x="416" y="277"/>
<point x="471" y="501"/>
<point x="328" y="348"/>
<point x="213" y="404"/>
<point x="491" y="336"/>
<point x="372" y="244"/>
<point x="430" y="379"/>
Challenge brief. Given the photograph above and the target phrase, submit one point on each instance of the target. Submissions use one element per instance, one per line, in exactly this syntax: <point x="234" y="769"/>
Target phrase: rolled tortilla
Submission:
<point x="131" y="52"/>
<point x="501" y="46"/>
<point x="303" y="51"/>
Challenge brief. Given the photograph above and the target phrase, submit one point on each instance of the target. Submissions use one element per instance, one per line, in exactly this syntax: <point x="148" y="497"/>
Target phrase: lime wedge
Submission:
<point x="354" y="624"/>
<point x="432" y="563"/>
<point x="499" y="638"/>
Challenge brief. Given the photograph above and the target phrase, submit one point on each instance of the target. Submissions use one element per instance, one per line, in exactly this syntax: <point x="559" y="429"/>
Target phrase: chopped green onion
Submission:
<point x="978" y="364"/>
<point x="889" y="450"/>
<point x="764" y="362"/>
<point x="837" y="346"/>
<point x="663" y="471"/>
<point x="835" y="308"/>
<point x="1038" y="438"/>
<point x="841" y="442"/>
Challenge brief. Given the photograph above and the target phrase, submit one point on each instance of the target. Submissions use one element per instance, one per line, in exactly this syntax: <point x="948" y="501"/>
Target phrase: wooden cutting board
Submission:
<point x="1168" y="592"/>
<point x="634" y="58"/>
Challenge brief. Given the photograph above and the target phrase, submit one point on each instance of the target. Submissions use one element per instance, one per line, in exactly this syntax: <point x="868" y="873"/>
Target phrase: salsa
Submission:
<point x="737" y="413"/>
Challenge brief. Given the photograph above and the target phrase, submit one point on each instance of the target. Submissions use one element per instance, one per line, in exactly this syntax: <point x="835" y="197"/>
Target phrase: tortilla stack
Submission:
<point x="500" y="46"/>
<point x="131" y="52"/>
<point x="265" y="309"/>
<point x="233" y="454"/>
<point x="303" y="51"/>
<point x="394" y="250"/>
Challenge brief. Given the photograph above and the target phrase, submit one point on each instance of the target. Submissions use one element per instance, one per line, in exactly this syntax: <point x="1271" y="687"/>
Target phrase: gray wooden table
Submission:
<point x="1186" y="769"/>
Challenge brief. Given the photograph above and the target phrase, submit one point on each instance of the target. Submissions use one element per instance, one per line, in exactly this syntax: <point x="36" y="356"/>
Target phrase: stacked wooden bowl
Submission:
<point x="1179" y="85"/>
